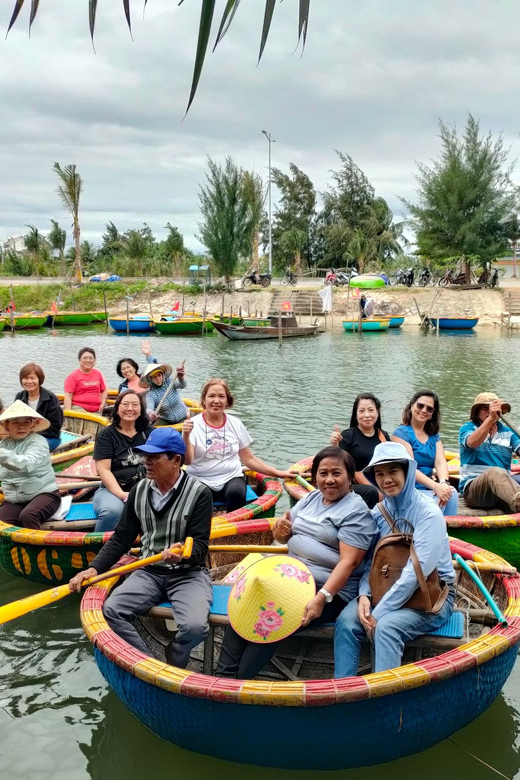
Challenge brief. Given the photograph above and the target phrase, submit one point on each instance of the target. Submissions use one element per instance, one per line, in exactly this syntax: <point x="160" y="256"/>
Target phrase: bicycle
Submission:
<point x="289" y="278"/>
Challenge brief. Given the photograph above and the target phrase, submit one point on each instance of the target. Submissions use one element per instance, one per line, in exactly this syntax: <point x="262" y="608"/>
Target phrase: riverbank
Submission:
<point x="159" y="295"/>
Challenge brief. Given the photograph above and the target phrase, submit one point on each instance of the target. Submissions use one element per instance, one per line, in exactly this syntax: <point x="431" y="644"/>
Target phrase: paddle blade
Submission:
<point x="21" y="607"/>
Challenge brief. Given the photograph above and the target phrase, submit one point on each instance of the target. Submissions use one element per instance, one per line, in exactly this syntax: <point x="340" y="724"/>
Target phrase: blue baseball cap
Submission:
<point x="164" y="440"/>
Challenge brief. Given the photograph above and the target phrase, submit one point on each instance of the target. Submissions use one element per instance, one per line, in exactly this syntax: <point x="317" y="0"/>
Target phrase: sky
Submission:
<point x="372" y="82"/>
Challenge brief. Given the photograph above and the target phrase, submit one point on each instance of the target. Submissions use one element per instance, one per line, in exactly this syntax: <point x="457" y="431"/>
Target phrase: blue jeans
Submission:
<point x="108" y="509"/>
<point x="451" y="508"/>
<point x="53" y="443"/>
<point x="391" y="633"/>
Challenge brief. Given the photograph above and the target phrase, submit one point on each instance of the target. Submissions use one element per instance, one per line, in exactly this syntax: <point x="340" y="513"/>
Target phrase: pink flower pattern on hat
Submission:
<point x="288" y="570"/>
<point x="239" y="587"/>
<point x="269" y="620"/>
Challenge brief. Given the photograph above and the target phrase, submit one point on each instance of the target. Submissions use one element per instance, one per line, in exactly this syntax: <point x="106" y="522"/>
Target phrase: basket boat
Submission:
<point x="134" y="324"/>
<point x="26" y="321"/>
<point x="368" y="325"/>
<point x="69" y="318"/>
<point x="498" y="533"/>
<point x="320" y="724"/>
<point x="2" y="324"/>
<point x="182" y="326"/>
<point x="77" y="436"/>
<point x="454" y="323"/>
<point x="54" y="554"/>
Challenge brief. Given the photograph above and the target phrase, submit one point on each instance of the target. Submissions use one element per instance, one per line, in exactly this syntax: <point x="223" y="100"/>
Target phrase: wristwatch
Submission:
<point x="328" y="596"/>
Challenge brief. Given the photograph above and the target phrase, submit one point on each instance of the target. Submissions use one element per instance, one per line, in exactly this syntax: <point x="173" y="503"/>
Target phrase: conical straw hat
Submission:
<point x="145" y="380"/>
<point x="19" y="409"/>
<point x="267" y="601"/>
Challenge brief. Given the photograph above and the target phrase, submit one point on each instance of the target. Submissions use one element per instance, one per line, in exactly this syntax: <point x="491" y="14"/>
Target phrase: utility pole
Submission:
<point x="271" y="140"/>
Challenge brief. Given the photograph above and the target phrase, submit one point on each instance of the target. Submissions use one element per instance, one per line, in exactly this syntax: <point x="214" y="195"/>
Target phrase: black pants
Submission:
<point x="233" y="494"/>
<point x="32" y="514"/>
<point x="243" y="660"/>
<point x="368" y="493"/>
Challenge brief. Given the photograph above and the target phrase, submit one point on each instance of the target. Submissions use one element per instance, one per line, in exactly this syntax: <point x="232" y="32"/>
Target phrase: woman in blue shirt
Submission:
<point x="419" y="433"/>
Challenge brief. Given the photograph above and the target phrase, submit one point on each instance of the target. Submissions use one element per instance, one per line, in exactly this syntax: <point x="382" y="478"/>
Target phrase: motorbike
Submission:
<point x="424" y="278"/>
<point x="264" y="280"/>
<point x="405" y="277"/>
<point x="487" y="279"/>
<point x="338" y="278"/>
<point x="452" y="278"/>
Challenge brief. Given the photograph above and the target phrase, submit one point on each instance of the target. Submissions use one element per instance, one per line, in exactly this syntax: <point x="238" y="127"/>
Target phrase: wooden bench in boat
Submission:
<point x="450" y="635"/>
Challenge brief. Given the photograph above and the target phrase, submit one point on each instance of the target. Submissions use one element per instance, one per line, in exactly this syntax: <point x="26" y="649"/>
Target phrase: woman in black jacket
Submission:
<point x="42" y="401"/>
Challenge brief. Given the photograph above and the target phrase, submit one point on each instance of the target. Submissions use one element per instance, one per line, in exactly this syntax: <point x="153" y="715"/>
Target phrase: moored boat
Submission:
<point x="26" y="321"/>
<point x="454" y="323"/>
<point x="69" y="318"/>
<point x="289" y="329"/>
<point x="397" y="321"/>
<point x="77" y="438"/>
<point x="320" y="724"/>
<point x="183" y="326"/>
<point x="134" y="324"/>
<point x="2" y="324"/>
<point x="368" y="325"/>
<point x="54" y="554"/>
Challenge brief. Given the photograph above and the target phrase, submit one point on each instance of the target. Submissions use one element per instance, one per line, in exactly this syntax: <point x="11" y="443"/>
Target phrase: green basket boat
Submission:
<point x="370" y="325"/>
<point x="183" y="326"/>
<point x="26" y="321"/>
<point x="98" y="316"/>
<point x="69" y="318"/>
<point x="2" y="324"/>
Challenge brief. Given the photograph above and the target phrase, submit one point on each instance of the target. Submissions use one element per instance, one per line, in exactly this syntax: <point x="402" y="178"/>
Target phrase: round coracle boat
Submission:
<point x="497" y="533"/>
<point x="55" y="554"/>
<point x="77" y="436"/>
<point x="321" y="724"/>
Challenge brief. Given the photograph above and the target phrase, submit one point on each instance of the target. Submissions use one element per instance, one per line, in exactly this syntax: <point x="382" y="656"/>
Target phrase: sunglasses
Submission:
<point x="429" y="409"/>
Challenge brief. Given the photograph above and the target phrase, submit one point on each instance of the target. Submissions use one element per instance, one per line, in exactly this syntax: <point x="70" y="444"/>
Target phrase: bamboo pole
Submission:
<point x="280" y="327"/>
<point x="127" y="317"/>
<point x="11" y="306"/>
<point x="105" y="305"/>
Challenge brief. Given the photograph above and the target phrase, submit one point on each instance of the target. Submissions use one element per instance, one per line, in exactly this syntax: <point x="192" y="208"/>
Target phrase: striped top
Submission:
<point x="173" y="409"/>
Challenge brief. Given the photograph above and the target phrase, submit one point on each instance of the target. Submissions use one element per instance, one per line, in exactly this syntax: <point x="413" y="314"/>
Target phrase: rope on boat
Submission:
<point x="480" y="760"/>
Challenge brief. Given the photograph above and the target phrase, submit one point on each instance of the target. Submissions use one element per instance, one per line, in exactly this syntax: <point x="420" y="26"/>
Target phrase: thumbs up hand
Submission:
<point x="335" y="436"/>
<point x="187" y="426"/>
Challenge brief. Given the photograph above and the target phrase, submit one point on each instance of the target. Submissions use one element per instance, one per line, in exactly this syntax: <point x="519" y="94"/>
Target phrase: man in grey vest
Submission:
<point x="163" y="509"/>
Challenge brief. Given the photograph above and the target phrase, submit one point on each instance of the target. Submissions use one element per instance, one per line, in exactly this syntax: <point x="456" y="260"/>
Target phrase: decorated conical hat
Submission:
<point x="233" y="575"/>
<point x="267" y="601"/>
<point x="19" y="409"/>
<point x="145" y="379"/>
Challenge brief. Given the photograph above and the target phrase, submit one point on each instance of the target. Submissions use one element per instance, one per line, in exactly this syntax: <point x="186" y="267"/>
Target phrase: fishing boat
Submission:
<point x="64" y="547"/>
<point x="134" y="324"/>
<point x="26" y="321"/>
<point x="228" y="319"/>
<point x="307" y="722"/>
<point x="368" y="325"/>
<point x="70" y="318"/>
<point x="182" y="326"/>
<point x="454" y="323"/>
<point x="288" y="328"/>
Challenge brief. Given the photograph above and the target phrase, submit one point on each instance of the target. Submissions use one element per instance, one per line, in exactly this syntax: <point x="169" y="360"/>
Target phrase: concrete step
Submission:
<point x="302" y="302"/>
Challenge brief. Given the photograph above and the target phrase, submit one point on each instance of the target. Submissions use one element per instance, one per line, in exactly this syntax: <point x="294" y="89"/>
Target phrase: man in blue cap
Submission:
<point x="163" y="509"/>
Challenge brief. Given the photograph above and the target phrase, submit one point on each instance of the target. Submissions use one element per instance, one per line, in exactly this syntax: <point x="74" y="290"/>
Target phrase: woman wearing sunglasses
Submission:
<point x="419" y="433"/>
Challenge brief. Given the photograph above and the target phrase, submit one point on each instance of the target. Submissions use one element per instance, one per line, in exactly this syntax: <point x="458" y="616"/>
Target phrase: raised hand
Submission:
<point x="146" y="348"/>
<point x="335" y="436"/>
<point x="187" y="425"/>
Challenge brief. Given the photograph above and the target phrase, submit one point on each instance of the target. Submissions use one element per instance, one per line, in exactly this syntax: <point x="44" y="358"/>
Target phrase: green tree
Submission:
<point x="294" y="215"/>
<point x="35" y="244"/>
<point x="465" y="197"/>
<point x="253" y="192"/>
<point x="137" y="249"/>
<point x="69" y="192"/>
<point x="225" y="227"/>
<point x="57" y="239"/>
<point x="512" y="226"/>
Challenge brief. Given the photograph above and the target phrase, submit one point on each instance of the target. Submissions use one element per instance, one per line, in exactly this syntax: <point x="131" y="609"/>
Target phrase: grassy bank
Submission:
<point x="87" y="297"/>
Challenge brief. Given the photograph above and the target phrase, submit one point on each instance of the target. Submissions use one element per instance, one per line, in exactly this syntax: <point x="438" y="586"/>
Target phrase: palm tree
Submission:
<point x="36" y="245"/>
<point x="69" y="192"/>
<point x="206" y="19"/>
<point x="57" y="239"/>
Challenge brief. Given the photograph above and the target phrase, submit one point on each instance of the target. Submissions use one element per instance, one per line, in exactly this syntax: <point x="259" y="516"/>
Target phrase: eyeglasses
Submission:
<point x="429" y="409"/>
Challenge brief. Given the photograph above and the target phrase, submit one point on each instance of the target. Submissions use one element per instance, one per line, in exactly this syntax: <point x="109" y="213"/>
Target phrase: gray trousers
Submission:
<point x="190" y="594"/>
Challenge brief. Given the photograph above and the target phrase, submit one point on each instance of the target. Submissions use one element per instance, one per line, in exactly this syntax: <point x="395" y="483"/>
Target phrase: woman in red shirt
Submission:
<point x="85" y="389"/>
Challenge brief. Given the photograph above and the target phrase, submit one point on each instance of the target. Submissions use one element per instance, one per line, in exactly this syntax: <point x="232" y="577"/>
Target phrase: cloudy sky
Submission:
<point x="373" y="80"/>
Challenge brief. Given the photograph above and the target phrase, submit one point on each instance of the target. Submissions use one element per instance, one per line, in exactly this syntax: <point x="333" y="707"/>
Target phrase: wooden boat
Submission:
<point x="236" y="319"/>
<point x="289" y="329"/>
<point x="54" y="554"/>
<point x="26" y="321"/>
<point x="182" y="326"/>
<point x="454" y="323"/>
<point x="258" y="322"/>
<point x="70" y="318"/>
<point x="320" y="724"/>
<point x="134" y="324"/>
<point x="368" y="325"/>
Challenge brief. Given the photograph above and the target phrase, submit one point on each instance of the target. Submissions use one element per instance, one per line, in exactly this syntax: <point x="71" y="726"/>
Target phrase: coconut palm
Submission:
<point x="57" y="239"/>
<point x="69" y="192"/>
<point x="207" y="14"/>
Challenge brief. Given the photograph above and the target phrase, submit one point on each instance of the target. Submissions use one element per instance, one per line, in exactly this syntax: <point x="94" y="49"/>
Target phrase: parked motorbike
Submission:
<point x="264" y="280"/>
<point x="452" y="278"/>
<point x="405" y="277"/>
<point x="338" y="278"/>
<point x="424" y="278"/>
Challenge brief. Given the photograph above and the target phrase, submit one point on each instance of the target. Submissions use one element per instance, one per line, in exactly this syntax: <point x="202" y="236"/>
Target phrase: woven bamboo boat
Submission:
<point x="55" y="554"/>
<point x="77" y="426"/>
<point x="320" y="724"/>
<point x="26" y="321"/>
<point x="69" y="318"/>
<point x="183" y="326"/>
<point x="369" y="325"/>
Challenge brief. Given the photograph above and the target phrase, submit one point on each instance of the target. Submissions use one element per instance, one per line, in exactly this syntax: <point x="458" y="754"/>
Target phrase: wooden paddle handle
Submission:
<point x="185" y="551"/>
<point x="303" y="482"/>
<point x="506" y="422"/>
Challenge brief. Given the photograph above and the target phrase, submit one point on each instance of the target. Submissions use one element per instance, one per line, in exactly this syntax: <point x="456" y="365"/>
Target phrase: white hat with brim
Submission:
<point x="146" y="381"/>
<point x="19" y="409"/>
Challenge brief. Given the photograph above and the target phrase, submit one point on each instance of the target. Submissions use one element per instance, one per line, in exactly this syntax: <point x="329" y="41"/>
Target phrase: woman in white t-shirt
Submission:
<point x="217" y="446"/>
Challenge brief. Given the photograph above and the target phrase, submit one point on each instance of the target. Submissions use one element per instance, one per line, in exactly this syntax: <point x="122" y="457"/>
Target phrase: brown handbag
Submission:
<point x="390" y="557"/>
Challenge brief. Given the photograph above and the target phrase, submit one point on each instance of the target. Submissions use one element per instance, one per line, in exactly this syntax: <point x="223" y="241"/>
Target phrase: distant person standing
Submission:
<point x="367" y="306"/>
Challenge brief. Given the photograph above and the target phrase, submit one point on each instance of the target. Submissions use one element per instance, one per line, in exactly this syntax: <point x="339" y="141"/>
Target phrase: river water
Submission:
<point x="58" y="719"/>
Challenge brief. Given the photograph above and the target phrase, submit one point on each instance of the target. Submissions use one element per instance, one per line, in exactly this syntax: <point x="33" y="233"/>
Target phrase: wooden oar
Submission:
<point x="70" y="445"/>
<point x="172" y="382"/>
<point x="506" y="422"/>
<point x="79" y="485"/>
<point x="250" y="548"/>
<point x="23" y="606"/>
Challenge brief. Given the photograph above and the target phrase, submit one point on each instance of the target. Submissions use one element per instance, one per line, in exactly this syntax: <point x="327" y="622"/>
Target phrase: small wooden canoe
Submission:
<point x="454" y="323"/>
<point x="134" y="324"/>
<point x="289" y="329"/>
<point x="368" y="325"/>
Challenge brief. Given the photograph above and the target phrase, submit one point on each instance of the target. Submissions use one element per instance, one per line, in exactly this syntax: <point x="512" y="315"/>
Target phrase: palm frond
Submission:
<point x="227" y="17"/>
<point x="303" y="22"/>
<point x="17" y="8"/>
<point x="126" y="7"/>
<point x="268" y="18"/>
<point x="34" y="10"/>
<point x="92" y="8"/>
<point x="206" y="18"/>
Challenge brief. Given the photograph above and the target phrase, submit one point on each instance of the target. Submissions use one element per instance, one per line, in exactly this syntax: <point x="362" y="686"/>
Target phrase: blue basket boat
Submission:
<point x="320" y="724"/>
<point x="134" y="324"/>
<point x="369" y="325"/>
<point x="454" y="323"/>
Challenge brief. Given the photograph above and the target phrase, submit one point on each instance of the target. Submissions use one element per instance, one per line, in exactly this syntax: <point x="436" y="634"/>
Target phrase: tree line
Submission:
<point x="466" y="210"/>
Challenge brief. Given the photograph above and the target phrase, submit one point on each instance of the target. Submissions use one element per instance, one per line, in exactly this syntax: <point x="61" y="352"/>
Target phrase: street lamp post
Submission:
<point x="271" y="140"/>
